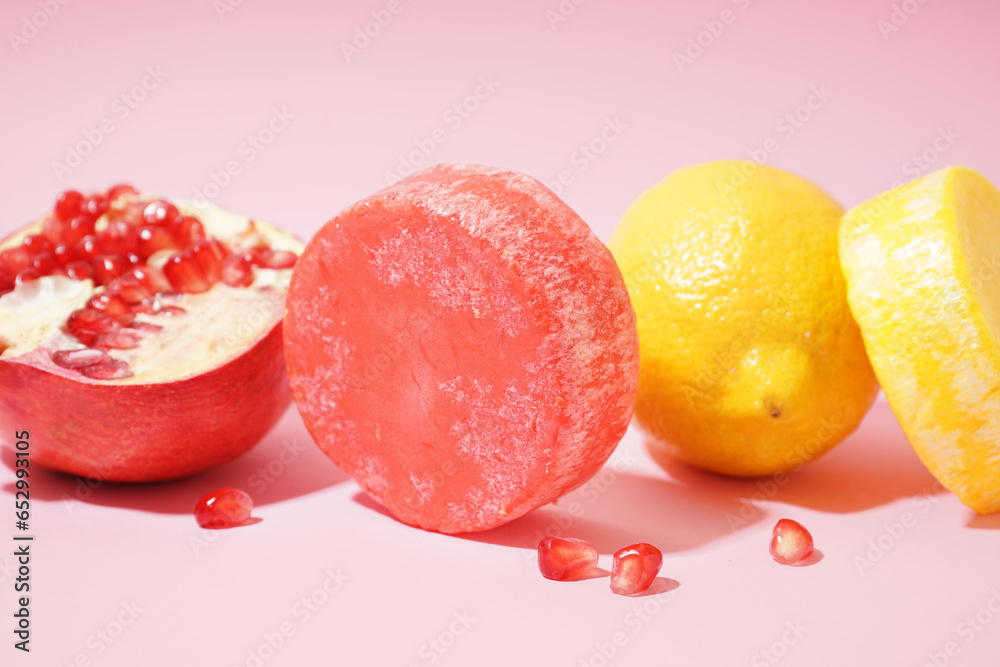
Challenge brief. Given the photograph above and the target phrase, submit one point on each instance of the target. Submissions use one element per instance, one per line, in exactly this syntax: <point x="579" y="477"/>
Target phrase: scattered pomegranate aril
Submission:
<point x="114" y="306"/>
<point x="791" y="543"/>
<point x="79" y="270"/>
<point x="115" y="191"/>
<point x="107" y="268"/>
<point x="185" y="274"/>
<point x="634" y="568"/>
<point x="86" y="325"/>
<point x="77" y="359"/>
<point x="68" y="204"/>
<point x="282" y="259"/>
<point x="112" y="369"/>
<point x="257" y="256"/>
<point x="566" y="558"/>
<point x="160" y="212"/>
<point x="223" y="508"/>
<point x="237" y="271"/>
<point x="64" y="254"/>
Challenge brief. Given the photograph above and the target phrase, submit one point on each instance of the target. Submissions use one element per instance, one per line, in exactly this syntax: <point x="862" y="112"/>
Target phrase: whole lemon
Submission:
<point x="750" y="360"/>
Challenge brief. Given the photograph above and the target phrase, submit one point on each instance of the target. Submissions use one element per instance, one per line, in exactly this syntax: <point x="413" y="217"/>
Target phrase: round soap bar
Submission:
<point x="463" y="346"/>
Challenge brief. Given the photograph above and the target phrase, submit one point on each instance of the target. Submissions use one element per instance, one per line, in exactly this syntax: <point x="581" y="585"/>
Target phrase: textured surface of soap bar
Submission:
<point x="462" y="345"/>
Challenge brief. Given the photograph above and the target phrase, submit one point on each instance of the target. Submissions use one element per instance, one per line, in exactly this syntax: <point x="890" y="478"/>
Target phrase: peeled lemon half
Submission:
<point x="922" y="264"/>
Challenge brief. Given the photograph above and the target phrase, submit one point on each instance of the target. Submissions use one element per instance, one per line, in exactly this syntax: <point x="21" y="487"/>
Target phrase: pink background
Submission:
<point x="121" y="554"/>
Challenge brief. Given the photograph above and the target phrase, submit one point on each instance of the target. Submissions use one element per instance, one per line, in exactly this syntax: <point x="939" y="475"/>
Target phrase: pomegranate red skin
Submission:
<point x="144" y="432"/>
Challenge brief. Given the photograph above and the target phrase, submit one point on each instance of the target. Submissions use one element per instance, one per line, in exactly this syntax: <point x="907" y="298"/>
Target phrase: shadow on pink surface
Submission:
<point x="286" y="464"/>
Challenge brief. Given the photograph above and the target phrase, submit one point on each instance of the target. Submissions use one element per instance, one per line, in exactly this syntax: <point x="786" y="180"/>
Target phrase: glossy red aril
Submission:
<point x="111" y="369"/>
<point x="209" y="255"/>
<point x="15" y="260"/>
<point x="108" y="267"/>
<point x="68" y="204"/>
<point x="114" y="306"/>
<point x="120" y="237"/>
<point x="223" y="508"/>
<point x="791" y="543"/>
<point x="634" y="568"/>
<point x="86" y="325"/>
<point x="566" y="558"/>
<point x="185" y="274"/>
<point x="160" y="212"/>
<point x="186" y="230"/>
<point x="152" y="239"/>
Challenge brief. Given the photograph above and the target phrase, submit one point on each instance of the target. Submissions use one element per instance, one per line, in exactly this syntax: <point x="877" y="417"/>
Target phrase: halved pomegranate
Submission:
<point x="127" y="350"/>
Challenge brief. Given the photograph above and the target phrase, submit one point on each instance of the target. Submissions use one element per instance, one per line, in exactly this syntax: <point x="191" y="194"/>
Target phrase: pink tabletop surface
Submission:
<point x="290" y="111"/>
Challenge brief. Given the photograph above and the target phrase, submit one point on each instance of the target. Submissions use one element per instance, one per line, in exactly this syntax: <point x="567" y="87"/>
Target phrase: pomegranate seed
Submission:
<point x="185" y="274"/>
<point x="258" y="256"/>
<point x="78" y="228"/>
<point x="282" y="259"/>
<point x="209" y="255"/>
<point x="128" y="288"/>
<point x="6" y="282"/>
<point x="94" y="206"/>
<point x="117" y="339"/>
<point x="634" y="568"/>
<point x="15" y="260"/>
<point x="186" y="230"/>
<point x="568" y="558"/>
<point x="223" y="508"/>
<point x="237" y="271"/>
<point x="114" y="306"/>
<point x="152" y="239"/>
<point x="86" y="325"/>
<point x="151" y="278"/>
<point x="107" y="268"/>
<point x="76" y="359"/>
<point x="113" y="369"/>
<point x="170" y="311"/>
<point x="27" y="276"/>
<point x="54" y="229"/>
<point x="790" y="542"/>
<point x="119" y="238"/>
<point x="79" y="271"/>
<point x="148" y="327"/>
<point x="116" y="191"/>
<point x="45" y="263"/>
<point x="160" y="212"/>
<point x="86" y="249"/>
<point x="36" y="244"/>
<point x="64" y="254"/>
<point x="68" y="204"/>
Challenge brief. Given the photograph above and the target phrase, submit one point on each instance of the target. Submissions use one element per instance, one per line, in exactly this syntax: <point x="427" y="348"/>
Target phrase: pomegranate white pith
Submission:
<point x="181" y="371"/>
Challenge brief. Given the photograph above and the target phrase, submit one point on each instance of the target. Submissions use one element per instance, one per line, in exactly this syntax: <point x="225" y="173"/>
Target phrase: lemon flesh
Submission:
<point x="750" y="360"/>
<point x="922" y="264"/>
